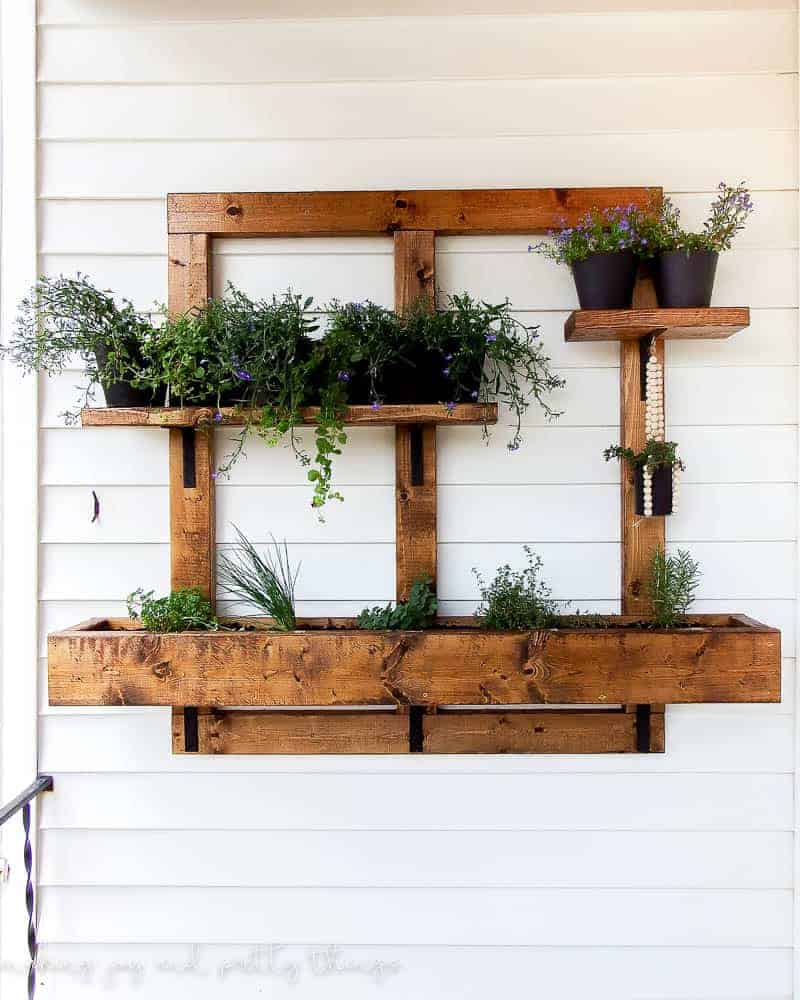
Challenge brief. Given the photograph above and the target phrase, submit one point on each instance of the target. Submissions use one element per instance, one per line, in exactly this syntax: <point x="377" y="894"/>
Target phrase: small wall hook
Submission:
<point x="95" y="508"/>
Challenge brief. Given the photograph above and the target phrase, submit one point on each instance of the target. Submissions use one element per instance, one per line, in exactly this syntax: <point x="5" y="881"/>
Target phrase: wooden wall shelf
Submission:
<point x="390" y="415"/>
<point x="406" y="684"/>
<point x="669" y="324"/>
<point x="726" y="658"/>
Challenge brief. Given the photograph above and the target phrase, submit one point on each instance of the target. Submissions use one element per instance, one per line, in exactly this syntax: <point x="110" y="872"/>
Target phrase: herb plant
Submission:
<point x="415" y="613"/>
<point x="672" y="584"/>
<point x="516" y="599"/>
<point x="607" y="231"/>
<point x="63" y="317"/>
<point x="184" y="610"/>
<point x="654" y="455"/>
<point x="267" y="581"/>
<point x="727" y="217"/>
<point x="486" y="353"/>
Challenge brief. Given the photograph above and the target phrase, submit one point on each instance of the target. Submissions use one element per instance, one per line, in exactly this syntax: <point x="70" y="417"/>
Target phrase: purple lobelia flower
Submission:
<point x="217" y="417"/>
<point x="343" y="376"/>
<point x="450" y="407"/>
<point x="491" y="338"/>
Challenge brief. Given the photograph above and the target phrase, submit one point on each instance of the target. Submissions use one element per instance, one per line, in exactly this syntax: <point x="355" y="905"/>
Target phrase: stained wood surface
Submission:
<point x="203" y="416"/>
<point x="192" y="522"/>
<point x="353" y="213"/>
<point x="434" y="667"/>
<point x="554" y="731"/>
<point x="415" y="501"/>
<point x="640" y="535"/>
<point x="189" y="271"/>
<point x="670" y="324"/>
<point x="223" y="731"/>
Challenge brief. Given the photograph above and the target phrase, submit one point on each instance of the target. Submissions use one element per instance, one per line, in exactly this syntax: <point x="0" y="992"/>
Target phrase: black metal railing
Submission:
<point x="43" y="783"/>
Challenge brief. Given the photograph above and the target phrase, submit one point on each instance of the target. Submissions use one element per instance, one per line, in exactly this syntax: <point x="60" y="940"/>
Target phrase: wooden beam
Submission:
<point x="191" y="509"/>
<point x="357" y="213"/>
<point x="669" y="324"/>
<point x="415" y="444"/>
<point x="226" y="731"/>
<point x="640" y="535"/>
<point x="448" y="666"/>
<point x="189" y="271"/>
<point x="203" y="416"/>
<point x="531" y="731"/>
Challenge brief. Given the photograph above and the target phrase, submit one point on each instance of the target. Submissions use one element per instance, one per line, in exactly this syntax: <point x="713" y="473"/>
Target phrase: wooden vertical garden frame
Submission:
<point x="409" y="675"/>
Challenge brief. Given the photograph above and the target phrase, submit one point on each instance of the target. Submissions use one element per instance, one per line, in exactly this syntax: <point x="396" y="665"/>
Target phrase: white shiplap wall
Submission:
<point x="562" y="877"/>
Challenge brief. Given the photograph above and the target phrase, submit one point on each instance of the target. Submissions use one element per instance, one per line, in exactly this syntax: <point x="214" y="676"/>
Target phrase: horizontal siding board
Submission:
<point x="439" y="109"/>
<point x="416" y="798"/>
<point x="84" y="971"/>
<point x="596" y="917"/>
<point x="679" y="161"/>
<point x="344" y="50"/>
<point x="713" y="740"/>
<point x="332" y="858"/>
<point x="97" y="226"/>
<point x="73" y="12"/>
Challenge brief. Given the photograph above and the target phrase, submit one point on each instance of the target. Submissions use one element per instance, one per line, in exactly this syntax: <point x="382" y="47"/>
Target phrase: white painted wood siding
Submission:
<point x="564" y="877"/>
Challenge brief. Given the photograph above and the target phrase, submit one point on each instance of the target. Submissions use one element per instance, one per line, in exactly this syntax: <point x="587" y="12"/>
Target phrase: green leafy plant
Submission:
<point x="361" y="341"/>
<point x="662" y="231"/>
<point x="415" y="613"/>
<point x="516" y="599"/>
<point x="184" y="610"/>
<point x="599" y="231"/>
<point x="672" y="585"/>
<point x="486" y="354"/>
<point x="654" y="455"/>
<point x="266" y="581"/>
<point x="62" y="317"/>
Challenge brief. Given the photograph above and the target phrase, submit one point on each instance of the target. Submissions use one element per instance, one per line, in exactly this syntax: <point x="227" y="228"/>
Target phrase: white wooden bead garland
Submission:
<point x="653" y="420"/>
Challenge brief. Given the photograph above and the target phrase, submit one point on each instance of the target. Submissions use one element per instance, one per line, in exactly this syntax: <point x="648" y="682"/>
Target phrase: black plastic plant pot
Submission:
<point x="662" y="490"/>
<point x="420" y="378"/>
<point x="606" y="280"/>
<point x="685" y="280"/>
<point x="119" y="393"/>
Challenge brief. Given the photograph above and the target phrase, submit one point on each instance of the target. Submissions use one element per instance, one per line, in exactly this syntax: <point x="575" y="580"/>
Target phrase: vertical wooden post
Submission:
<point x="415" y="446"/>
<point x="191" y="452"/>
<point x="640" y="535"/>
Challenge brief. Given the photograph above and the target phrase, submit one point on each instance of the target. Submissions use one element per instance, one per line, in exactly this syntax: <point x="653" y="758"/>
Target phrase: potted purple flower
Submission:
<point x="685" y="264"/>
<point x="603" y="252"/>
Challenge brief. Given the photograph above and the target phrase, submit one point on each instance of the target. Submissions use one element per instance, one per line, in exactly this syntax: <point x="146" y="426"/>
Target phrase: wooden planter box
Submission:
<point x="724" y="658"/>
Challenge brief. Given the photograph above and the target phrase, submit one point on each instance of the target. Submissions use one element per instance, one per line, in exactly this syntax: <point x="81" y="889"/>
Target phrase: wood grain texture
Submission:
<point x="457" y="666"/>
<point x="192" y="521"/>
<point x="640" y="535"/>
<point x="554" y="731"/>
<point x="203" y="416"/>
<point x="189" y="271"/>
<point x="415" y="493"/>
<point x="354" y="213"/>
<point x="669" y="324"/>
<point x="223" y="731"/>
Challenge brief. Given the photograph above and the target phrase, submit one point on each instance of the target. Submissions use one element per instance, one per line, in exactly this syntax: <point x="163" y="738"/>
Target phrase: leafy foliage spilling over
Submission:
<point x="63" y="317"/>
<point x="727" y="217"/>
<point x="607" y="231"/>
<point x="266" y="581"/>
<point x="672" y="585"/>
<point x="184" y="610"/>
<point x="516" y="599"/>
<point x="415" y="613"/>
<point x="654" y="455"/>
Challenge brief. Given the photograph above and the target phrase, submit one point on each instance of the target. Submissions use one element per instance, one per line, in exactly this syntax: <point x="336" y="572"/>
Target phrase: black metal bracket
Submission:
<point x="417" y="456"/>
<point x="189" y="458"/>
<point x="191" y="734"/>
<point x="415" y="730"/>
<point x="643" y="729"/>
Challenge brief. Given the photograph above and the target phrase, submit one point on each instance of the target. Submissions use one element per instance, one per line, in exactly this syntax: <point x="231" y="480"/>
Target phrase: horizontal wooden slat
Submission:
<point x="436" y="667"/>
<point x="332" y="213"/>
<point x="669" y="324"/>
<point x="239" y="731"/>
<point x="200" y="416"/>
<point x="586" y="731"/>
